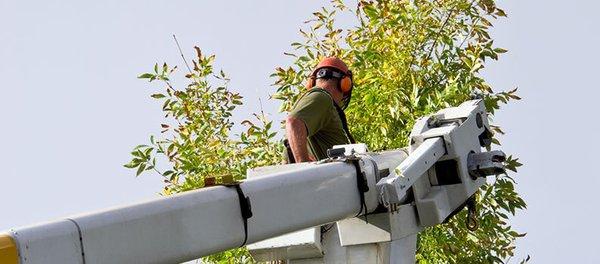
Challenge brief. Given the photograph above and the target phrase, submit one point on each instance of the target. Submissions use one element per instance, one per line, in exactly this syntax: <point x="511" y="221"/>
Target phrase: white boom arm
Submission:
<point x="281" y="200"/>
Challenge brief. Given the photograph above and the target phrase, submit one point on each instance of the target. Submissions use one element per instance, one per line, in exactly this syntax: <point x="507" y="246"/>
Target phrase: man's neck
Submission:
<point x="335" y="94"/>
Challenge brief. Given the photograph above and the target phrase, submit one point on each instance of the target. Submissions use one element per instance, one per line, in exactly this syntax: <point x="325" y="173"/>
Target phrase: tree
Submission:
<point x="409" y="57"/>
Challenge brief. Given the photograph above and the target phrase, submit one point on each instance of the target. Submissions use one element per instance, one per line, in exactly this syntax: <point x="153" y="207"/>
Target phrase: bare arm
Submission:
<point x="296" y="134"/>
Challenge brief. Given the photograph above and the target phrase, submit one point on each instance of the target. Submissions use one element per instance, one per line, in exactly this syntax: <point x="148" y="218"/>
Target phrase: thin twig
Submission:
<point x="450" y="13"/>
<point x="160" y="173"/>
<point x="262" y="112"/>
<point x="435" y="39"/>
<point x="469" y="33"/>
<point x="169" y="85"/>
<point x="439" y="33"/>
<point x="181" y="53"/>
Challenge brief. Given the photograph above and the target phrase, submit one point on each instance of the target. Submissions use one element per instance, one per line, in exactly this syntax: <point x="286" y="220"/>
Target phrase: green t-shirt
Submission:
<point x="323" y="124"/>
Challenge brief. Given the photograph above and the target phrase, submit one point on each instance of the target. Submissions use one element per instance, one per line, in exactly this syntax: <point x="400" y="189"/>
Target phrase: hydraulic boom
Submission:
<point x="402" y="191"/>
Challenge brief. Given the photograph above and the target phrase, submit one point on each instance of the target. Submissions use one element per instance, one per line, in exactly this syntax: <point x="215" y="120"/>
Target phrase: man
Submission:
<point x="317" y="121"/>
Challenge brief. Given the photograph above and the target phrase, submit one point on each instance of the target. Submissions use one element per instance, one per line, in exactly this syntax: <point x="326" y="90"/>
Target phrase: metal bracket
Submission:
<point x="486" y="163"/>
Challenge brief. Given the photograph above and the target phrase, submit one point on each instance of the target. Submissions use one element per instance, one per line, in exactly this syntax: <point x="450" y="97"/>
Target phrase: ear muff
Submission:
<point x="346" y="83"/>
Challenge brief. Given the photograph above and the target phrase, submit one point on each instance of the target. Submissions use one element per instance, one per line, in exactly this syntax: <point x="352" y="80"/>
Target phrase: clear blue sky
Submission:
<point x="72" y="108"/>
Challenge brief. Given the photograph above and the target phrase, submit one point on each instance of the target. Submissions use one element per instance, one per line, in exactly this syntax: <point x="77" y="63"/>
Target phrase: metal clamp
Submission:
<point x="245" y="207"/>
<point x="486" y="163"/>
<point x="339" y="154"/>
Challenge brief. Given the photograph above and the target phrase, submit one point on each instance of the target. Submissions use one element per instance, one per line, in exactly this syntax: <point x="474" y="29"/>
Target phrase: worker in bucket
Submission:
<point x="317" y="122"/>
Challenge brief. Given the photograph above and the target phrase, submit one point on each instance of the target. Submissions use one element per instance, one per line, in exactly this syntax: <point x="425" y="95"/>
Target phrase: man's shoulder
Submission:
<point x="317" y="95"/>
<point x="314" y="103"/>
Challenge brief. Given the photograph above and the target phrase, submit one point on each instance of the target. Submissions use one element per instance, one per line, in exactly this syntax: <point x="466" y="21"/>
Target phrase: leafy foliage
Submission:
<point x="196" y="140"/>
<point x="409" y="57"/>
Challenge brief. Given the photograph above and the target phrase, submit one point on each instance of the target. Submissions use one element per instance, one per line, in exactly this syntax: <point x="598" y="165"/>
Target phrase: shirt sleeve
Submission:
<point x="314" y="110"/>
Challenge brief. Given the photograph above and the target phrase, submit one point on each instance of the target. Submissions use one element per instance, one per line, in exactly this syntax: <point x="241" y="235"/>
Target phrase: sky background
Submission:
<point x="72" y="108"/>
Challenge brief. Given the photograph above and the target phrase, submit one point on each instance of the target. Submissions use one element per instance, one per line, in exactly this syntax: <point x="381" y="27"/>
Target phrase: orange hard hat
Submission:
<point x="335" y="63"/>
<point x="345" y="84"/>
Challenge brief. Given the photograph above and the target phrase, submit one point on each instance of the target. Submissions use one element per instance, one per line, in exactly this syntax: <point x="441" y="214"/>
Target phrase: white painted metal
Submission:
<point x="375" y="253"/>
<point x="356" y="231"/>
<point x="301" y="244"/>
<point x="418" y="162"/>
<point x="385" y="161"/>
<point x="460" y="127"/>
<point x="382" y="227"/>
<point x="351" y="149"/>
<point x="296" y="245"/>
<point x="404" y="221"/>
<point x="402" y="251"/>
<point x="197" y="223"/>
<point x="285" y="199"/>
<point x="169" y="229"/>
<point x="41" y="243"/>
<point x="399" y="251"/>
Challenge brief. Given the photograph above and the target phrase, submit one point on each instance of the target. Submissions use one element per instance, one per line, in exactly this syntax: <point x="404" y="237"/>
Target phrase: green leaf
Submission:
<point x="500" y="50"/>
<point x="141" y="169"/>
<point x="132" y="164"/>
<point x="146" y="76"/>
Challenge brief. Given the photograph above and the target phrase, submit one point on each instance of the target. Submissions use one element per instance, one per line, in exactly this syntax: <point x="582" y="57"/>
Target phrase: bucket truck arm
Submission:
<point x="444" y="169"/>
